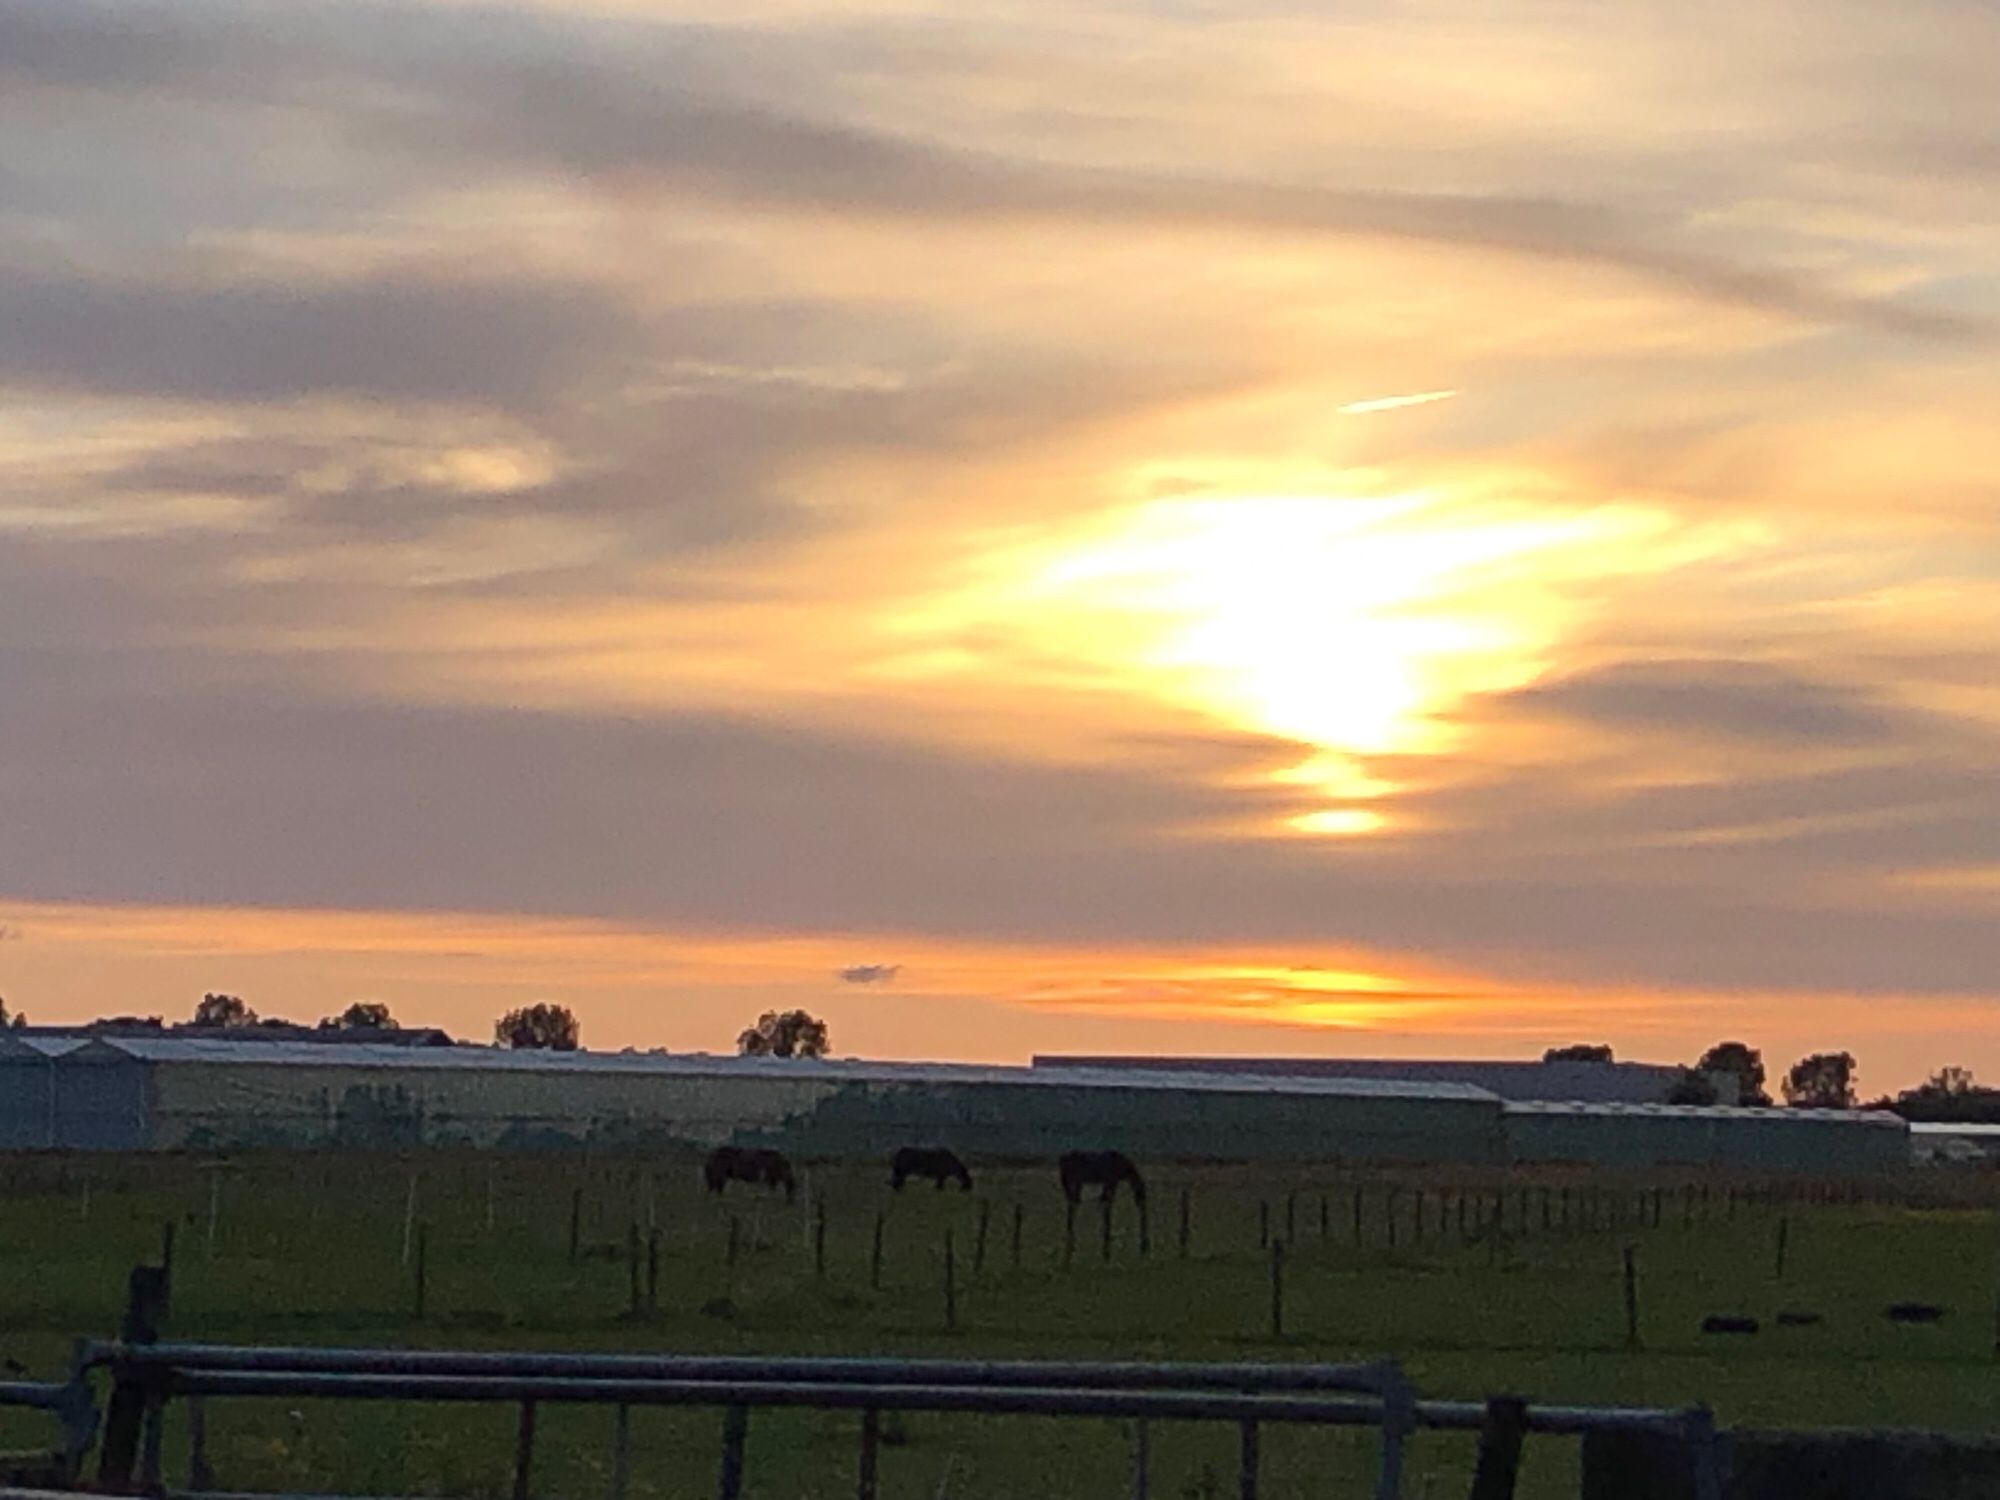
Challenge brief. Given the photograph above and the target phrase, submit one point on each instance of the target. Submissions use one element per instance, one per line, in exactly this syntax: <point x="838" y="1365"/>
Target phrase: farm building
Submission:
<point x="150" y="1092"/>
<point x="1567" y="1080"/>
<point x="1752" y="1140"/>
<point x="28" y="1088"/>
<point x="1949" y="1143"/>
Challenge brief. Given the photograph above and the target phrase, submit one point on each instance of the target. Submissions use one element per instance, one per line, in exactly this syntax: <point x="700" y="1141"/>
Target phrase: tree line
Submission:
<point x="1819" y="1080"/>
<point x="543" y="1026"/>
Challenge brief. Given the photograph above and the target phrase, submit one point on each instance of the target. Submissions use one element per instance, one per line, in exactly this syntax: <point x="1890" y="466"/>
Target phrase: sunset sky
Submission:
<point x="1387" y="529"/>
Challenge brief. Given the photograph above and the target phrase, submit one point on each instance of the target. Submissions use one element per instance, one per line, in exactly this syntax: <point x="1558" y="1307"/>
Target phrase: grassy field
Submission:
<point x="311" y="1249"/>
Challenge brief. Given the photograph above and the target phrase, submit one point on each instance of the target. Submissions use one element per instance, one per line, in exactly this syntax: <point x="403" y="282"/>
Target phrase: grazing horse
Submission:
<point x="727" y="1164"/>
<point x="935" y="1162"/>
<point x="1106" y="1169"/>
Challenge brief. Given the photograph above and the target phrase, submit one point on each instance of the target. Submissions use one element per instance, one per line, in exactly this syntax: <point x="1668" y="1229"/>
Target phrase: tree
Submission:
<point x="1948" y="1083"/>
<point x="793" y="1033"/>
<point x="1746" y="1062"/>
<point x="1578" y="1052"/>
<point x="1692" y="1087"/>
<point x="1824" y="1080"/>
<point x="362" y="1015"/>
<point x="542" y="1026"/>
<point x="223" y="1010"/>
<point x="15" y="1019"/>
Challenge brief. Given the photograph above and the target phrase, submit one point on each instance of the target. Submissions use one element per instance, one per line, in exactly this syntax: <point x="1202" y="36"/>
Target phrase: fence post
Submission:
<point x="1291" y="1216"/>
<point x="735" y="1428"/>
<point x="131" y="1395"/>
<point x="423" y="1274"/>
<point x="1069" y="1232"/>
<point x="871" y="1441"/>
<point x="200" y="1475"/>
<point x="979" y="1238"/>
<point x="950" y="1285"/>
<point x="1263" y="1223"/>
<point x="652" y="1270"/>
<point x="1500" y="1448"/>
<point x="1357" y="1215"/>
<point x="575" y="1224"/>
<point x="735" y="1235"/>
<point x="1784" y="1236"/>
<point x="1104" y="1218"/>
<point x="1145" y="1229"/>
<point x="621" y="1452"/>
<point x="1389" y="1215"/>
<point x="524" y="1449"/>
<point x="1142" y="1460"/>
<point x="635" y="1282"/>
<point x="1324" y="1236"/>
<point x="819" y="1237"/>
<point x="1277" y="1289"/>
<point x="1246" y="1482"/>
<point x="1184" y="1224"/>
<point x="1017" y="1237"/>
<point x="875" y="1256"/>
<point x="1631" y="1298"/>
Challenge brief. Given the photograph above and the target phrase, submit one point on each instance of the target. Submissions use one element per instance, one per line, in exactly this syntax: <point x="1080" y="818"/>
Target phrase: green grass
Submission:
<point x="309" y="1249"/>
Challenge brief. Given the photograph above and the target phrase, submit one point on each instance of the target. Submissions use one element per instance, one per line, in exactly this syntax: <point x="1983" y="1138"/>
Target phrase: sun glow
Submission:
<point x="1351" y="626"/>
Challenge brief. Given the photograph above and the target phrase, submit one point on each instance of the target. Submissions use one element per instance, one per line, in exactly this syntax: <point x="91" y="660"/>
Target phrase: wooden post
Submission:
<point x="132" y="1397"/>
<point x="979" y="1238"/>
<point x="1500" y="1437"/>
<point x="576" y="1224"/>
<point x="1277" y="1289"/>
<point x="735" y="1428"/>
<point x="166" y="1265"/>
<point x="1461" y="1213"/>
<point x="490" y="1174"/>
<point x="1263" y="1224"/>
<point x="410" y="1220"/>
<point x="1784" y="1238"/>
<point x="871" y="1440"/>
<point x="621" y="1453"/>
<point x="524" y="1449"/>
<point x="423" y="1267"/>
<point x="819" y="1238"/>
<point x="1104" y="1220"/>
<point x="1417" y="1217"/>
<point x="1631" y="1298"/>
<point x="735" y="1238"/>
<point x="1069" y="1233"/>
<point x="1016" y="1247"/>
<point x="200" y="1475"/>
<point x="652" y="1270"/>
<point x="875" y="1256"/>
<point x="1142" y="1460"/>
<point x="1291" y="1217"/>
<point x="1357" y="1215"/>
<point x="1389" y="1216"/>
<point x="1324" y="1223"/>
<point x="950" y="1286"/>
<point x="1185" y="1224"/>
<point x="214" y="1208"/>
<point x="1145" y="1228"/>
<point x="634" y="1277"/>
<point x="1246" y="1481"/>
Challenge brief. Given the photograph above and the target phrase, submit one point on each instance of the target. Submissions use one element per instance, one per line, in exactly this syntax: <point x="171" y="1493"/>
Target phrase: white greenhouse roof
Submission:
<point x="1773" y="1115"/>
<point x="1945" y="1127"/>
<point x="41" y="1046"/>
<point x="169" y="1050"/>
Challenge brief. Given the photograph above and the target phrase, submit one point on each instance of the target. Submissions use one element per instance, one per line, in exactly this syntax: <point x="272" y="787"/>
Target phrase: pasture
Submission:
<point x="536" y="1251"/>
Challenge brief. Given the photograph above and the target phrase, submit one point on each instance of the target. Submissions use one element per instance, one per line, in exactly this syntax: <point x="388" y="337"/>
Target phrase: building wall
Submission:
<point x="1571" y="1081"/>
<point x="1748" y="1140"/>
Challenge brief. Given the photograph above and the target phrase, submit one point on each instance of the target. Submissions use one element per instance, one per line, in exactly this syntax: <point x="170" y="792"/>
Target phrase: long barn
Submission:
<point x="135" y="1093"/>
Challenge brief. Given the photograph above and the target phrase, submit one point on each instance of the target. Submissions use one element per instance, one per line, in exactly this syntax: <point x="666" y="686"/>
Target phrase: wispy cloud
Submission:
<point x="1393" y="403"/>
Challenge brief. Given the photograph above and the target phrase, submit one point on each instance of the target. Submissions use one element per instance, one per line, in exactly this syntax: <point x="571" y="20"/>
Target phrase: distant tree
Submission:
<point x="539" y="1027"/>
<point x="1746" y="1062"/>
<point x="223" y="1010"/>
<point x="1692" y="1087"/>
<point x="16" y="1019"/>
<point x="1948" y="1083"/>
<point x="791" y="1033"/>
<point x="1824" y="1080"/>
<point x="362" y="1015"/>
<point x="1578" y="1052"/>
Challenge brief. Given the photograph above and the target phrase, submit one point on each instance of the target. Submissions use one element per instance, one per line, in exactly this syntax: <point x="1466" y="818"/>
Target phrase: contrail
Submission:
<point x="1390" y="403"/>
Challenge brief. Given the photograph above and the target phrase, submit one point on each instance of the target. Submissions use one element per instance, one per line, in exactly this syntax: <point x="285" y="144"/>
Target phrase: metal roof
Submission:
<point x="40" y="1046"/>
<point x="169" y="1050"/>
<point x="1945" y="1127"/>
<point x="1773" y="1115"/>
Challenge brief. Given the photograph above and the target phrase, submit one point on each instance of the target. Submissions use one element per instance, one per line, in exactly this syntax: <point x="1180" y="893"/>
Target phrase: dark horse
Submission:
<point x="727" y="1164"/>
<point x="1106" y="1169"/>
<point x="935" y="1162"/>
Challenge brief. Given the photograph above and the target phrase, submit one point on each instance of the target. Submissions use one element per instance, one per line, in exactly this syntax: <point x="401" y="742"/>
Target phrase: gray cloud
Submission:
<point x="634" y="104"/>
<point x="869" y="973"/>
<point x="1736" y="699"/>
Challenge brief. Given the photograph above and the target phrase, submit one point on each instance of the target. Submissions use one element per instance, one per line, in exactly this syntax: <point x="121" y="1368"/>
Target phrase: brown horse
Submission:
<point x="1106" y="1169"/>
<point x="754" y="1164"/>
<point x="938" y="1163"/>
